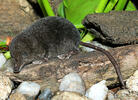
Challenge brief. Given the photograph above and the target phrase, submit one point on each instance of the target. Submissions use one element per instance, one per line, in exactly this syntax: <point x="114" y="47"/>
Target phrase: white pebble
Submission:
<point x="73" y="83"/>
<point x="2" y="60"/>
<point x="97" y="91"/>
<point x="5" y="87"/>
<point x="87" y="49"/>
<point x="29" y="88"/>
<point x="8" y="66"/>
<point x="132" y="82"/>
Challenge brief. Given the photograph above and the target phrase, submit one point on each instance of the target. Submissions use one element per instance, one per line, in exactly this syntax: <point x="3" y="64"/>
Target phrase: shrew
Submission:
<point x="50" y="37"/>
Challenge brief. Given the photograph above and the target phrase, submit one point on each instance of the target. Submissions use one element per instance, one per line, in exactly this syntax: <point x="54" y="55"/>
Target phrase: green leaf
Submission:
<point x="121" y="5"/>
<point x="130" y="6"/>
<point x="7" y="55"/>
<point x="88" y="37"/>
<point x="48" y="8"/>
<point x="42" y="7"/>
<point x="76" y="10"/>
<point x="79" y="26"/>
<point x="2" y="43"/>
<point x="110" y="5"/>
<point x="60" y="10"/>
<point x="101" y="6"/>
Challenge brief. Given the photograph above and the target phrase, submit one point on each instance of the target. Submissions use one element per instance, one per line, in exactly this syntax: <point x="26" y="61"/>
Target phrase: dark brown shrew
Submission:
<point x="49" y="37"/>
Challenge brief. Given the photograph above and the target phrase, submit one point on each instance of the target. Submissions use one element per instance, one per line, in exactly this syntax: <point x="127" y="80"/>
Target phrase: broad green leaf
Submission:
<point x="76" y="10"/>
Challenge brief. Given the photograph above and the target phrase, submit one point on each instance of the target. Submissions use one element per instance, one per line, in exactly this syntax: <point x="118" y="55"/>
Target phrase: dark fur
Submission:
<point x="47" y="37"/>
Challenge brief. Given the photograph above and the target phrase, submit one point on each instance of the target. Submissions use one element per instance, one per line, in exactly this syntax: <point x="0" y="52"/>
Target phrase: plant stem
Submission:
<point x="61" y="10"/>
<point x="48" y="8"/>
<point x="100" y="8"/>
<point x="42" y="7"/>
<point x="120" y="5"/>
<point x="110" y="5"/>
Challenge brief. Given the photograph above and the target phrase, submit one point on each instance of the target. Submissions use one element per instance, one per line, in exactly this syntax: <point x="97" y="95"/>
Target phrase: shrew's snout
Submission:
<point x="16" y="70"/>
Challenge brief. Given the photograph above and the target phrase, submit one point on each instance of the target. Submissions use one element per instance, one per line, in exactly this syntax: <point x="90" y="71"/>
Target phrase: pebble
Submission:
<point x="45" y="95"/>
<point x="37" y="62"/>
<point x="97" y="91"/>
<point x="72" y="82"/>
<point x="110" y="95"/>
<point x="8" y="66"/>
<point x="126" y="98"/>
<point x="5" y="87"/>
<point x="29" y="88"/>
<point x="132" y="82"/>
<point x="87" y="49"/>
<point x="2" y="60"/>
<point x="69" y="96"/>
<point x="122" y="93"/>
<point x="17" y="96"/>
